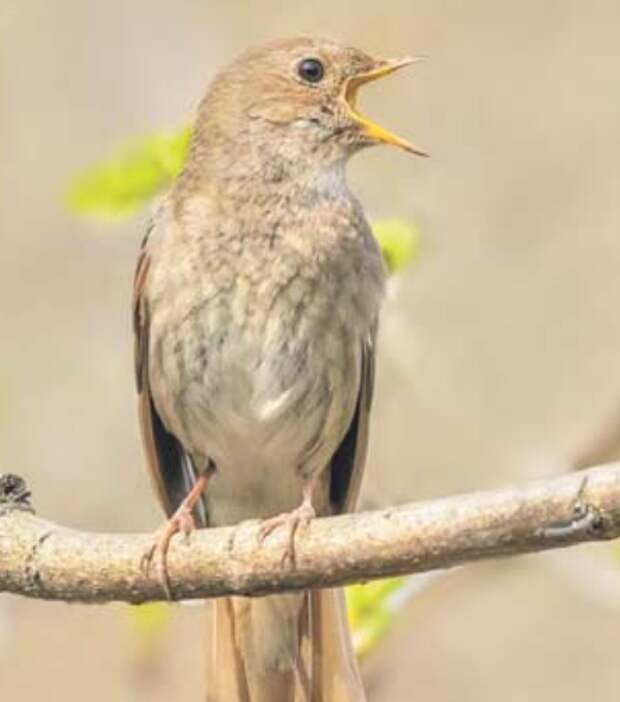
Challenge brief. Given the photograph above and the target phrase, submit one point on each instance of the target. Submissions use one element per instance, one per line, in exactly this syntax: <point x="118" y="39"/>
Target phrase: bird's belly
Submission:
<point x="268" y="407"/>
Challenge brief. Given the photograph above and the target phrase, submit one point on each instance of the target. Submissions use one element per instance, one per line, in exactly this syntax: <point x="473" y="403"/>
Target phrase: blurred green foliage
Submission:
<point x="134" y="174"/>
<point x="150" y="619"/>
<point x="371" y="611"/>
<point x="124" y="182"/>
<point x="399" y="241"/>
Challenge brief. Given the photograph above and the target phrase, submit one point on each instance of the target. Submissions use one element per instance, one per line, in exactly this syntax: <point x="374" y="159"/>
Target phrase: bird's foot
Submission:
<point x="180" y="522"/>
<point x="300" y="517"/>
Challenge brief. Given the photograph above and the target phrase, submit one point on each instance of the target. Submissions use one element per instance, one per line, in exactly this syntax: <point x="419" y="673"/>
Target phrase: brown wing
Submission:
<point x="169" y="464"/>
<point x="347" y="464"/>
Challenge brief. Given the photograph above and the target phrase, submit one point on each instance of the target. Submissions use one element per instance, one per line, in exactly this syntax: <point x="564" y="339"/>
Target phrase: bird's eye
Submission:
<point x="311" y="70"/>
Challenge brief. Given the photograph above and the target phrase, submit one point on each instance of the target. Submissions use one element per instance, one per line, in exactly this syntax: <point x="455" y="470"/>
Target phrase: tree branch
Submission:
<point x="40" y="559"/>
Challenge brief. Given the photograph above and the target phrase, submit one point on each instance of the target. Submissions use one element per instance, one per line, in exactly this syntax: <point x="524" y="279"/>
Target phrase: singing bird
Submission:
<point x="256" y="301"/>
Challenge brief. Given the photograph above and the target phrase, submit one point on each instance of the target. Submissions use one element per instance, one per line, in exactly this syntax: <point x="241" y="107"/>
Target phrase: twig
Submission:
<point x="40" y="559"/>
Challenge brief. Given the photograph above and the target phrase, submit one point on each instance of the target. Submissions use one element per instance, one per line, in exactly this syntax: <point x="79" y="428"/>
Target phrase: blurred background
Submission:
<point x="499" y="347"/>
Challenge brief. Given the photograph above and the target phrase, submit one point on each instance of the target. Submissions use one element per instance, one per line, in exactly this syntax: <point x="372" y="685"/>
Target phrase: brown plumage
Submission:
<point x="256" y="301"/>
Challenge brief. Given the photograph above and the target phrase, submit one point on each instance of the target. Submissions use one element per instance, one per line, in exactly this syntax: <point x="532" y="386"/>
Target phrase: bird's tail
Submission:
<point x="282" y="648"/>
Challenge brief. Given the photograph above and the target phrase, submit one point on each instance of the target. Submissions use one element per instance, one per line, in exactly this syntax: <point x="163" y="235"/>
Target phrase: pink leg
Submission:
<point x="300" y="516"/>
<point x="181" y="521"/>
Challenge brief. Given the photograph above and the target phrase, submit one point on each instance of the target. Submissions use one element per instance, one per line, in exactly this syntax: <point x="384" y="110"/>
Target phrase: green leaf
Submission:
<point x="399" y="241"/>
<point x="131" y="177"/>
<point x="371" y="611"/>
<point x="150" y="618"/>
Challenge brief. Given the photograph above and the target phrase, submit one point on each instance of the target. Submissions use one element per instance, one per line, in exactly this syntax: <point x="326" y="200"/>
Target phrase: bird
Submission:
<point x="256" y="302"/>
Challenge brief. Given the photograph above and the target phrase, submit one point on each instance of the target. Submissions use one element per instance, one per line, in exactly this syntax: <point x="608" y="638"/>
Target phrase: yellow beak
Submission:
<point x="369" y="128"/>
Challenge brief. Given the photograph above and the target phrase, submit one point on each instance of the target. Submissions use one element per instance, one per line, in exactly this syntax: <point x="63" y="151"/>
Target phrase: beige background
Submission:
<point x="499" y="353"/>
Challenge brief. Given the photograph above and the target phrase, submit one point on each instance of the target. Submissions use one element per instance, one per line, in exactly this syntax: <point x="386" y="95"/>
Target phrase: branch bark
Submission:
<point x="43" y="560"/>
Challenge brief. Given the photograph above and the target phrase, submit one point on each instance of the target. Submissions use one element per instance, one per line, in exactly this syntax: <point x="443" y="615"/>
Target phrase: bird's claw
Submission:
<point x="181" y="522"/>
<point x="299" y="517"/>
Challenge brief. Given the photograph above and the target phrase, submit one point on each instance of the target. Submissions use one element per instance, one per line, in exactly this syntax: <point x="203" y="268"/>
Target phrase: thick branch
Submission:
<point x="43" y="560"/>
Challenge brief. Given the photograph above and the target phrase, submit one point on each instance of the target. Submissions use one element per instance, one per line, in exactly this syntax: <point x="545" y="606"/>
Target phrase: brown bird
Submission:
<point x="257" y="295"/>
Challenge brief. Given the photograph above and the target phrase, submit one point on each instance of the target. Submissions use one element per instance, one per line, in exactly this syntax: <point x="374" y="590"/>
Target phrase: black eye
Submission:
<point x="311" y="70"/>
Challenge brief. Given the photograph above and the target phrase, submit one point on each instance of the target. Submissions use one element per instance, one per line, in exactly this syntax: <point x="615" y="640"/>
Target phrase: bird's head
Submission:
<point x="292" y="102"/>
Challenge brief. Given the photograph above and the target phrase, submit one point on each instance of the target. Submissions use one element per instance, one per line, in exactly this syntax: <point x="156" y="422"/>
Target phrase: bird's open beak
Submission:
<point x="369" y="128"/>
